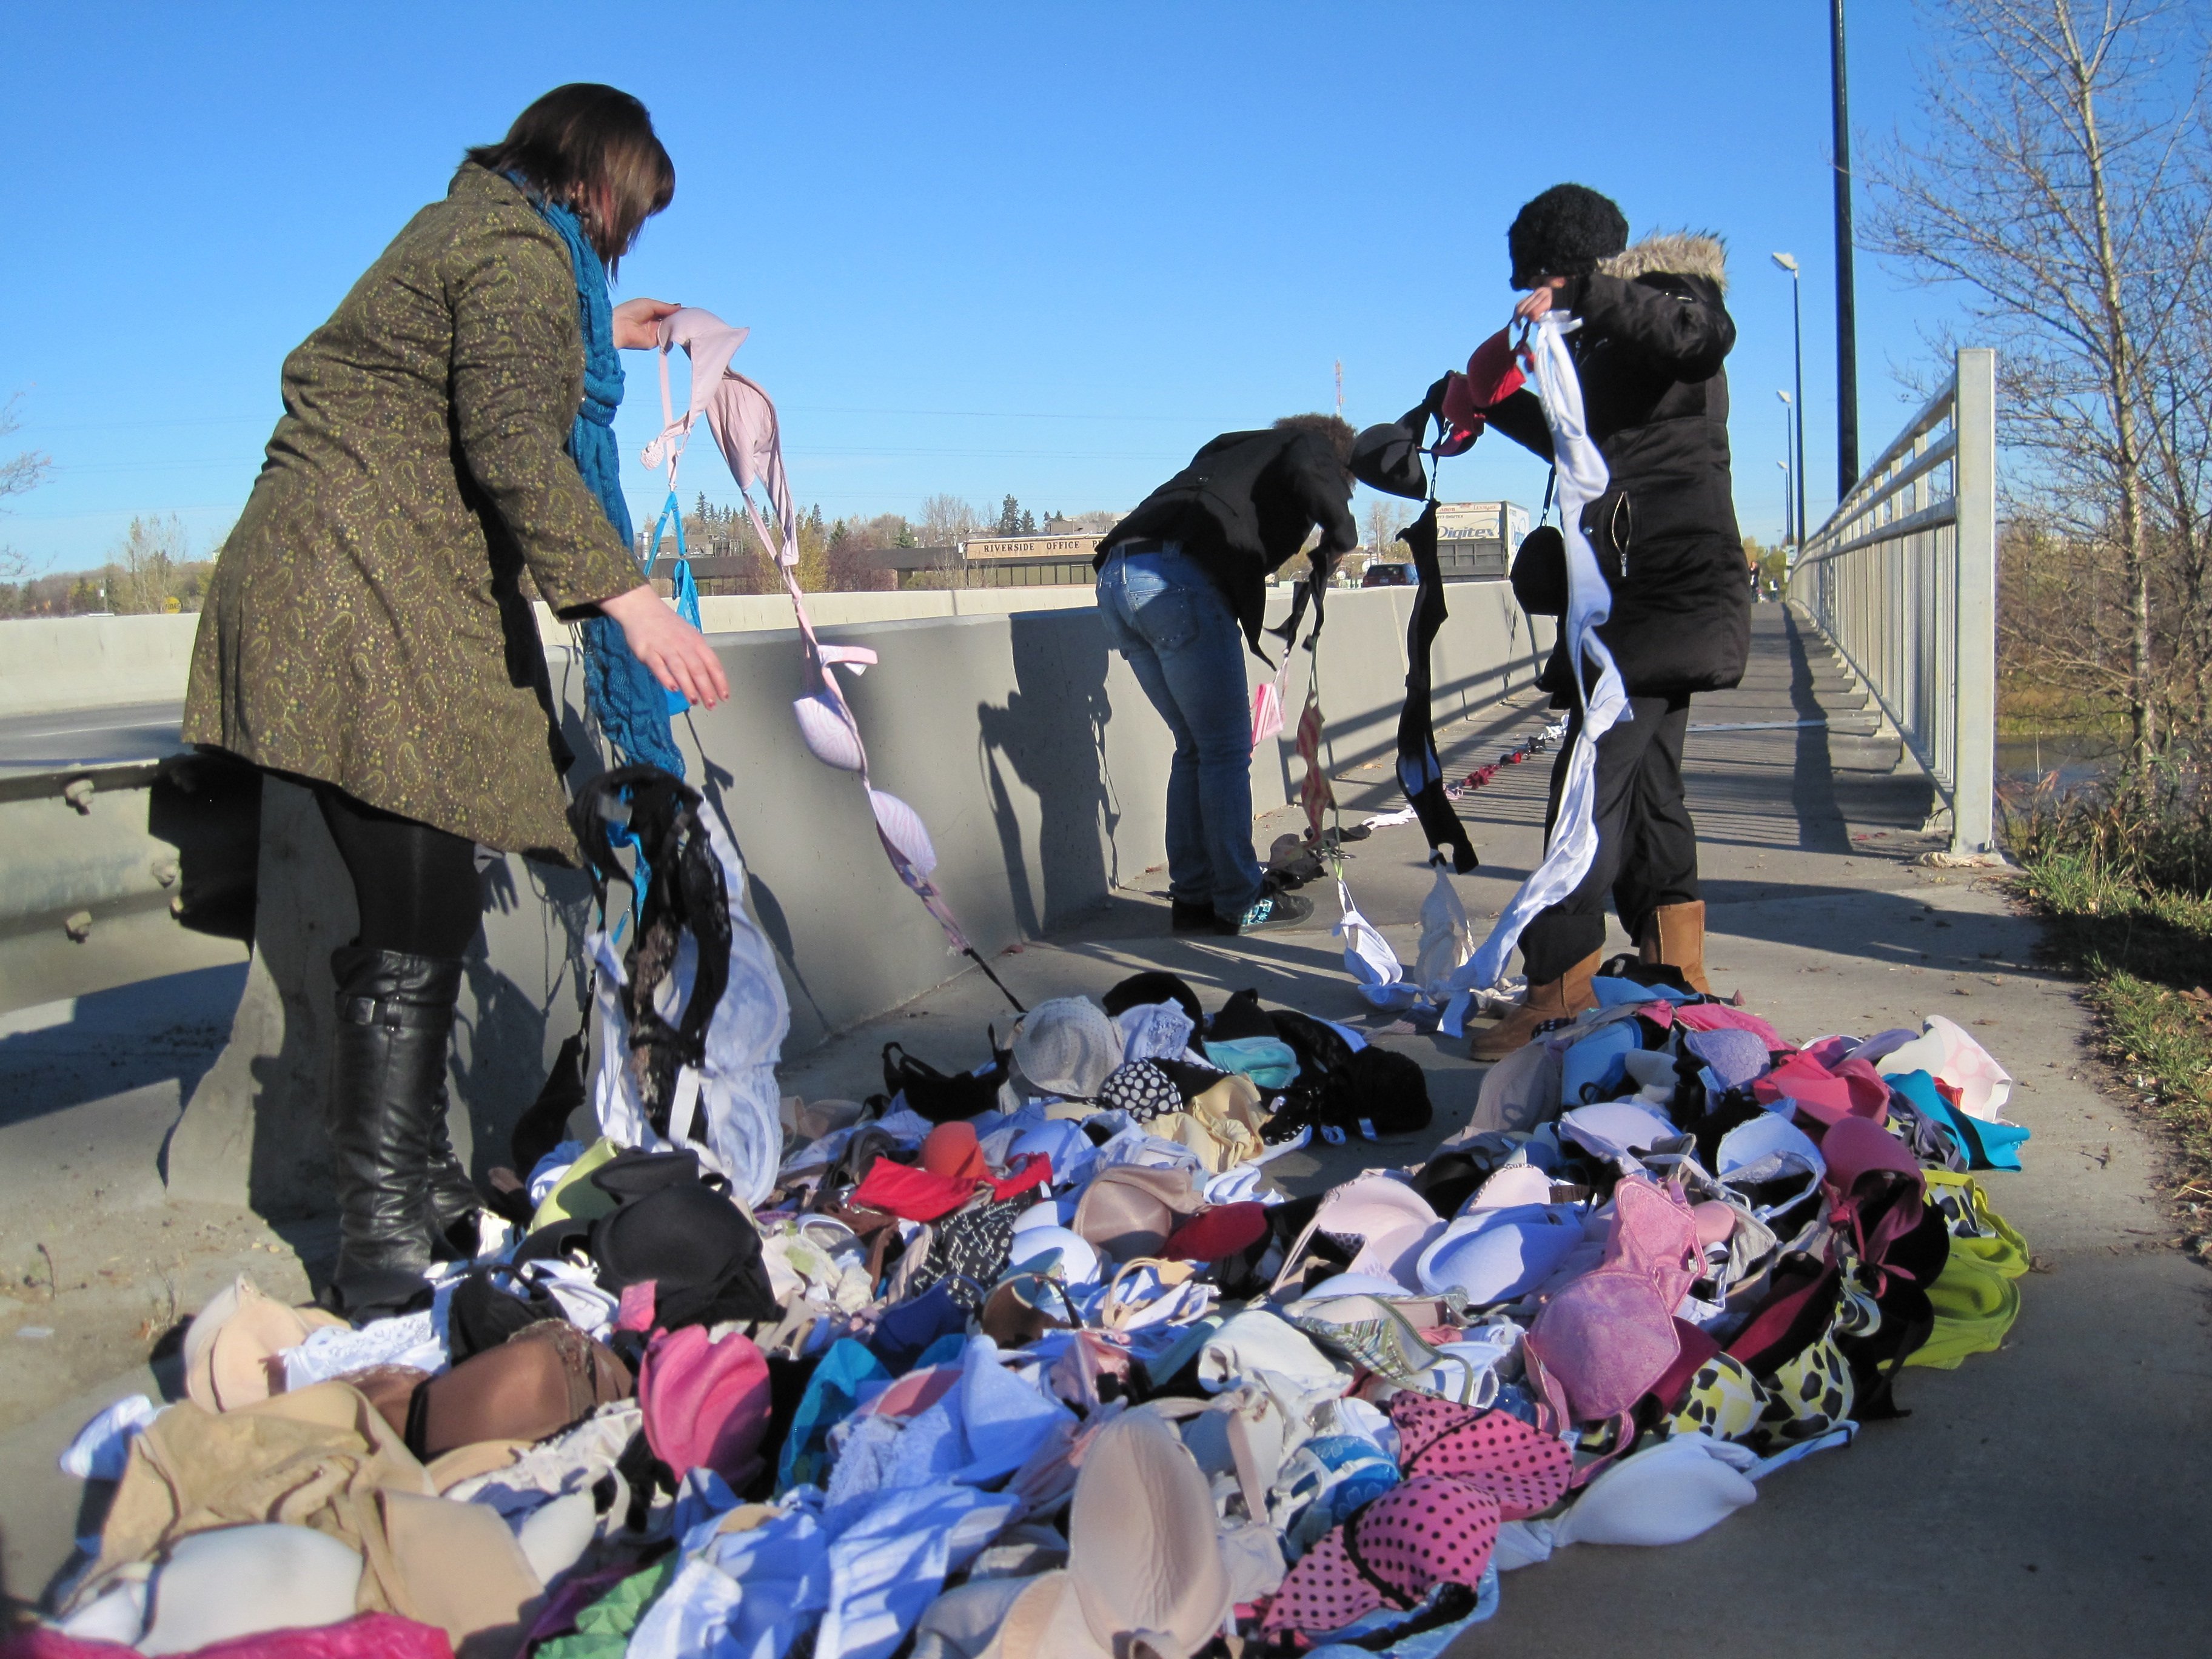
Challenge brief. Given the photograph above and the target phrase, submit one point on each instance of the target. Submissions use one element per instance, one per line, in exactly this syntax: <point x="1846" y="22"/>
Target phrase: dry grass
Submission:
<point x="2126" y="892"/>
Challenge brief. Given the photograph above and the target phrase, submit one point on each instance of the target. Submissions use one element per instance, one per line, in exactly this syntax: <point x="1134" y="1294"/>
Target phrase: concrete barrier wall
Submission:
<point x="1023" y="741"/>
<point x="52" y="663"/>
<point x="744" y="612"/>
<point x="753" y="613"/>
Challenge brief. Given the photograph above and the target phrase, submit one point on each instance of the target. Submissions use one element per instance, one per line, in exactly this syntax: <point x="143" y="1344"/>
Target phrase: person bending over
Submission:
<point x="1649" y="351"/>
<point x="368" y="633"/>
<point x="1181" y="587"/>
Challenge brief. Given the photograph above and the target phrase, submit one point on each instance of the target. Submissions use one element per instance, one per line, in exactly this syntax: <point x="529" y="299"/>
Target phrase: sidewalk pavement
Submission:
<point x="2042" y="1500"/>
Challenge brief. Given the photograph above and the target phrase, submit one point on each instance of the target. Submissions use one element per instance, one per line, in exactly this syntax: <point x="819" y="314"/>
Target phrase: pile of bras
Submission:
<point x="1030" y="1360"/>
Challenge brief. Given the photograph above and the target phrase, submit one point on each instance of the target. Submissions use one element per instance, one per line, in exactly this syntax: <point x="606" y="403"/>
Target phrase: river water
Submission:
<point x="2077" y="759"/>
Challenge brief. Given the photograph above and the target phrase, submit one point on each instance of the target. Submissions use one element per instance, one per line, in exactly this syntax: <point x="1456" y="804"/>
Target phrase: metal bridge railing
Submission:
<point x="1903" y="581"/>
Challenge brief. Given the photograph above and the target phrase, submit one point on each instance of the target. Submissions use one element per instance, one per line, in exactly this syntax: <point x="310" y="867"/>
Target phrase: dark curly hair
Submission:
<point x="1332" y="429"/>
<point x="1564" y="232"/>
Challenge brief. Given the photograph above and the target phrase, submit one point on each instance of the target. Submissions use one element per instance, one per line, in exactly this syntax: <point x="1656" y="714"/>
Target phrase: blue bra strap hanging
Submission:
<point x="687" y="590"/>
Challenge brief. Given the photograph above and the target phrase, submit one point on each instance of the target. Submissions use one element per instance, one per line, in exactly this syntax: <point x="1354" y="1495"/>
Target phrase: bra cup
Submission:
<point x="828" y="732"/>
<point x="901" y="829"/>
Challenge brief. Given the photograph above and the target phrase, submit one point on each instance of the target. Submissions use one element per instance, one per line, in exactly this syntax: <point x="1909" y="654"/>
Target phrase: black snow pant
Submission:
<point x="1647" y="848"/>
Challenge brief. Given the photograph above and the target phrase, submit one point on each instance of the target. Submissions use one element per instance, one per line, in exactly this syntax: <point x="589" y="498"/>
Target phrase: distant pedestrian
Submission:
<point x="1654" y="333"/>
<point x="369" y="631"/>
<point x="1182" y="587"/>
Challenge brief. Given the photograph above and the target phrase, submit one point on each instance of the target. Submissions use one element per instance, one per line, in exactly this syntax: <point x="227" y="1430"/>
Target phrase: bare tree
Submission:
<point x="946" y="518"/>
<point x="143" y="569"/>
<point x="946" y="521"/>
<point x="1386" y="517"/>
<point x="2063" y="182"/>
<point x="2180" y="440"/>
<point x="24" y="470"/>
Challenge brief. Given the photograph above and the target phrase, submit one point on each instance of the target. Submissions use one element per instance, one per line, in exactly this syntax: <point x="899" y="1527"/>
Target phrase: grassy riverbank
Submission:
<point x="2029" y="707"/>
<point x="2127" y="893"/>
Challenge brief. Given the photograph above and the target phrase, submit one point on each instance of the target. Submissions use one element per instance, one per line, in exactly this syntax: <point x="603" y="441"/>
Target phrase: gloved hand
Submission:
<point x="1453" y="437"/>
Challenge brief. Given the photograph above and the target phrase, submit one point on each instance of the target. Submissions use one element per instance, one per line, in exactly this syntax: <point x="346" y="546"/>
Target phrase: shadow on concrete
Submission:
<point x="1356" y="740"/>
<point x="1813" y="780"/>
<point x="1896" y="929"/>
<point x="768" y="908"/>
<point x="289" y="1164"/>
<point x="1051" y="732"/>
<point x="500" y="1021"/>
<point x="207" y="804"/>
<point x="61" y="1055"/>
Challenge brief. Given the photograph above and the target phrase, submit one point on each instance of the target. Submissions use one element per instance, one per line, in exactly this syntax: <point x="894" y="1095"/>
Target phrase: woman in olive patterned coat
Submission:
<point x="369" y="632"/>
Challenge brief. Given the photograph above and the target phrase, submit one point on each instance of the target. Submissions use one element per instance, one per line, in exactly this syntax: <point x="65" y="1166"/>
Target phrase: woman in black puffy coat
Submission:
<point x="1649" y="352"/>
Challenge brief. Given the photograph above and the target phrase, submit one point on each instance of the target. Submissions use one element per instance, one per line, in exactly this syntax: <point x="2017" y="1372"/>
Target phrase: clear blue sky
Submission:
<point x="1044" y="249"/>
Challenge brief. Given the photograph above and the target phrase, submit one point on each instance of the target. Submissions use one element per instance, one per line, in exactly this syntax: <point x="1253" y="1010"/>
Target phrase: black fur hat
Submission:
<point x="1565" y="233"/>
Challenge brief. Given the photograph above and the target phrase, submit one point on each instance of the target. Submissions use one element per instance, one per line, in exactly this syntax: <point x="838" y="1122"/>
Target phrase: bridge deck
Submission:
<point x="2056" y="1481"/>
<point x="2023" y="1490"/>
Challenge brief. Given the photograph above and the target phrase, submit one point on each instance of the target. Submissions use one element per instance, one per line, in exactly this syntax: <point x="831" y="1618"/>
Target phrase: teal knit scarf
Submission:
<point x="631" y="707"/>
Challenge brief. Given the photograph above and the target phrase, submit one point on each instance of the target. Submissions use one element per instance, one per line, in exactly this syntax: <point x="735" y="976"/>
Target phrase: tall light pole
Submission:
<point x="1787" y="559"/>
<point x="1847" y="346"/>
<point x="1792" y="479"/>
<point x="1789" y="263"/>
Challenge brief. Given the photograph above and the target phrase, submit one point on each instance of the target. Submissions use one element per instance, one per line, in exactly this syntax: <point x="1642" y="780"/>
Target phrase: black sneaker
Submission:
<point x="1271" y="913"/>
<point x="1186" y="918"/>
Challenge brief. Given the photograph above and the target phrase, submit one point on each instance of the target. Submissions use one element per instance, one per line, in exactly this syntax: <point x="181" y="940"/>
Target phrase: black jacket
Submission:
<point x="1653" y="334"/>
<point x="1243" y="507"/>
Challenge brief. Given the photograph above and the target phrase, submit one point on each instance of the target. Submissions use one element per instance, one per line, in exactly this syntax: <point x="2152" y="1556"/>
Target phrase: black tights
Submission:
<point x="415" y="886"/>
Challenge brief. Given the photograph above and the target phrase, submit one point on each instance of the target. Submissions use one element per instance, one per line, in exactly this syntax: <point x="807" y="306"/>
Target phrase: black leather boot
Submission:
<point x="395" y="1018"/>
<point x="455" y="1204"/>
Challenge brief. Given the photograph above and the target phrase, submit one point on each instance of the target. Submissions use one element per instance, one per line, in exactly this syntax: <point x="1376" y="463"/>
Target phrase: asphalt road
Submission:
<point x="83" y="737"/>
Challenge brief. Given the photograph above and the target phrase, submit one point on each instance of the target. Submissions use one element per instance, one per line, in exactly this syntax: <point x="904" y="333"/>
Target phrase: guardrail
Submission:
<point x="1902" y="580"/>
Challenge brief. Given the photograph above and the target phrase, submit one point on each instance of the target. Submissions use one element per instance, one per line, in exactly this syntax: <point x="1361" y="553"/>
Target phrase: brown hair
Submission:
<point x="1332" y="429"/>
<point x="592" y="149"/>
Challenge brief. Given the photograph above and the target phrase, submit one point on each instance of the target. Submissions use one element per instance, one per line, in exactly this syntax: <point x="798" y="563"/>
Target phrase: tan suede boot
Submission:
<point x="1675" y="938"/>
<point x="1560" y="999"/>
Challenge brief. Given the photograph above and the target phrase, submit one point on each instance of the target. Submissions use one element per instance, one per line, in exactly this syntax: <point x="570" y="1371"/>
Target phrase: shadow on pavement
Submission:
<point x="60" y="1055"/>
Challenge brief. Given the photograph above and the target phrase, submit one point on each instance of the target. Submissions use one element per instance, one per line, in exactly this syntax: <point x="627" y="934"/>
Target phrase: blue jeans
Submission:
<point x="1163" y="613"/>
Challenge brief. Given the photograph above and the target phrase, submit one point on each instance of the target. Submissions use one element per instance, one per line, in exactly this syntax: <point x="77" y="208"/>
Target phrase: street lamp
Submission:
<point x="1789" y="263"/>
<point x="1847" y="326"/>
<point x="1793" y="526"/>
